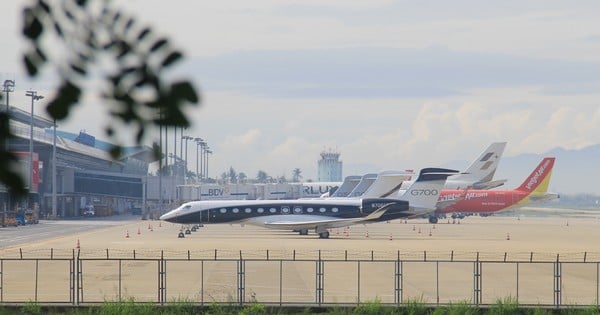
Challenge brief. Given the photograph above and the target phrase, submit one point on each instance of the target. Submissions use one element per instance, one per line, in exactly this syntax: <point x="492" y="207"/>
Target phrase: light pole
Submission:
<point x="9" y="86"/>
<point x="202" y="151"/>
<point x="34" y="97"/>
<point x="54" y="211"/>
<point x="175" y="149"/>
<point x="206" y="149"/>
<point x="199" y="142"/>
<point x="185" y="167"/>
<point x="206" y="164"/>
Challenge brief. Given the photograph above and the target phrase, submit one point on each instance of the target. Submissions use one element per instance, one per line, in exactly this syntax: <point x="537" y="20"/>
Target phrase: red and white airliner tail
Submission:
<point x="534" y="188"/>
<point x="538" y="181"/>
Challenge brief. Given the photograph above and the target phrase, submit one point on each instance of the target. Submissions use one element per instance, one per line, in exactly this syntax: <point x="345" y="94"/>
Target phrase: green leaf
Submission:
<point x="145" y="32"/>
<point x="44" y="6"/>
<point x="186" y="91"/>
<point x="33" y="27"/>
<point x="31" y="67"/>
<point x="58" y="30"/>
<point x="77" y="68"/>
<point x="115" y="152"/>
<point x="67" y="96"/>
<point x="129" y="24"/>
<point x="172" y="58"/>
<point x="41" y="54"/>
<point x="158" y="44"/>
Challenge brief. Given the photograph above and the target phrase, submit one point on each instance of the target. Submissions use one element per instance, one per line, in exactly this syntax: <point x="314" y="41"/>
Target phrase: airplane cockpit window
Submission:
<point x="187" y="207"/>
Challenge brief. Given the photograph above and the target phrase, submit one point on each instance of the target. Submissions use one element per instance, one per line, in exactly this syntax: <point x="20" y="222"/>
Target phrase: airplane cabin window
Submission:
<point x="236" y="210"/>
<point x="334" y="209"/>
<point x="285" y="209"/>
<point x="297" y="209"/>
<point x="248" y="210"/>
<point x="310" y="210"/>
<point x="272" y="210"/>
<point x="322" y="209"/>
<point x="260" y="210"/>
<point x="223" y="210"/>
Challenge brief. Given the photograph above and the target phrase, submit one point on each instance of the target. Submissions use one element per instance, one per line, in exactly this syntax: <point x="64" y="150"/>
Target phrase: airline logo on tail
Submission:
<point x="538" y="180"/>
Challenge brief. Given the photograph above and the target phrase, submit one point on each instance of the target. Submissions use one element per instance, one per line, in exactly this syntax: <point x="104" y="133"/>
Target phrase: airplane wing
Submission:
<point x="321" y="223"/>
<point x="544" y="197"/>
<point x="489" y="184"/>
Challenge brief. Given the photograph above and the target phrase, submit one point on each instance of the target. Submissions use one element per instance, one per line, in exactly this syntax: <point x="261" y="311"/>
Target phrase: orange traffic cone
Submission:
<point x="77" y="245"/>
<point x="139" y="232"/>
<point x="127" y="234"/>
<point x="429" y="232"/>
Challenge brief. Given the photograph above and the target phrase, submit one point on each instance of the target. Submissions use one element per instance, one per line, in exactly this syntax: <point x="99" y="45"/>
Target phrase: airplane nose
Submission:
<point x="169" y="216"/>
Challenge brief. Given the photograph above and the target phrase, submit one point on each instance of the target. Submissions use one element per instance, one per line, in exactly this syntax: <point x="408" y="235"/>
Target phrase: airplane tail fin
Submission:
<point x="347" y="186"/>
<point x="386" y="184"/>
<point x="537" y="182"/>
<point x="423" y="194"/>
<point x="363" y="185"/>
<point x="484" y="167"/>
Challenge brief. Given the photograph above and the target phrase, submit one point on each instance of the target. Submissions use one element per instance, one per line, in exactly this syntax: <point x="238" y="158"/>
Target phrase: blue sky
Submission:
<point x="389" y="84"/>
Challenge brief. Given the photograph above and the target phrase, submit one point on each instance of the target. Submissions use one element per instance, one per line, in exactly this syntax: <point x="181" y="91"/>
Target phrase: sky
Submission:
<point x="388" y="84"/>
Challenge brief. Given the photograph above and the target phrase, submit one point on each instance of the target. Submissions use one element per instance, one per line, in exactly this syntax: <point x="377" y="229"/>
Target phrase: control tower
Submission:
<point x="330" y="167"/>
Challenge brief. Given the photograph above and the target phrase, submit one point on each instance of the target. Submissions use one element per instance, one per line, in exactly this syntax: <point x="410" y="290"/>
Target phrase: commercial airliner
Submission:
<point x="533" y="189"/>
<point x="319" y="215"/>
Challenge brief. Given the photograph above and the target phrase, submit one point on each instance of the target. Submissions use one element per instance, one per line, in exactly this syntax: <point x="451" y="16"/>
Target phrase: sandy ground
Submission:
<point x="523" y="238"/>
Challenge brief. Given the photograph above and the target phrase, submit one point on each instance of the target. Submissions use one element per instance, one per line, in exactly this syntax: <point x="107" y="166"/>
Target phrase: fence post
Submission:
<point x="477" y="282"/>
<point x="319" y="277"/>
<point x="557" y="282"/>
<point x="398" y="281"/>
<point x="241" y="281"/>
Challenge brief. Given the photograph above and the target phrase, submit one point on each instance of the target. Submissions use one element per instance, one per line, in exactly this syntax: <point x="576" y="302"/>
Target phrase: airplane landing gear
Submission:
<point x="433" y="219"/>
<point x="324" y="234"/>
<point x="181" y="235"/>
<point x="303" y="231"/>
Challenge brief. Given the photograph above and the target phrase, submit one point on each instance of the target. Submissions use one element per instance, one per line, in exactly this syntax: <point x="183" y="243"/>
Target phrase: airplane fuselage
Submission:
<point x="482" y="201"/>
<point x="234" y="211"/>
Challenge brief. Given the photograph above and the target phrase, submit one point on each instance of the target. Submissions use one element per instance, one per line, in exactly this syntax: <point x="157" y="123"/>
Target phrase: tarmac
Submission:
<point x="567" y="236"/>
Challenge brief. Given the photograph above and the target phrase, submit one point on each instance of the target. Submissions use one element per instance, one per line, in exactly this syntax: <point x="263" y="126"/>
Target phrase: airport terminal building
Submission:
<point x="85" y="172"/>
